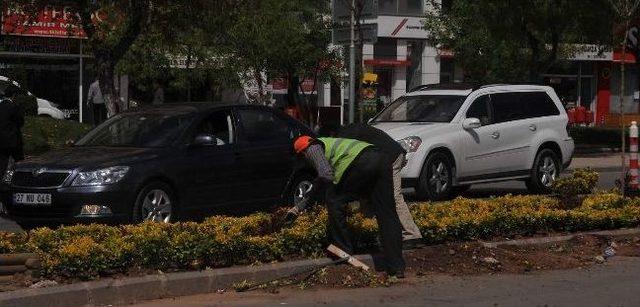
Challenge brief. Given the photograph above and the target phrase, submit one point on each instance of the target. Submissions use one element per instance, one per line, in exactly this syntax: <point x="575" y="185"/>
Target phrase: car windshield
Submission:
<point x="426" y="108"/>
<point x="138" y="130"/>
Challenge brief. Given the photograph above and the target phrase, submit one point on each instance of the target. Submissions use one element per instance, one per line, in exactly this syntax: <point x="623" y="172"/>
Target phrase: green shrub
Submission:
<point x="90" y="251"/>
<point x="581" y="181"/>
<point x="42" y="134"/>
<point x="591" y="136"/>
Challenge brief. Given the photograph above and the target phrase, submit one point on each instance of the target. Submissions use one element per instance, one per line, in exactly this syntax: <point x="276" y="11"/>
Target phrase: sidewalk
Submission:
<point x="608" y="162"/>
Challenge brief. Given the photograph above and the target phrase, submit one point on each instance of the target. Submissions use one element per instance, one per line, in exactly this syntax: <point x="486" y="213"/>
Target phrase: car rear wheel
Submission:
<point x="546" y="169"/>
<point x="155" y="202"/>
<point x="436" y="178"/>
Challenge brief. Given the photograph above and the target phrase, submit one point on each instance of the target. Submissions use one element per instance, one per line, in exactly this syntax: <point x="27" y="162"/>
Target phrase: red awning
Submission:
<point x="379" y="62"/>
<point x="630" y="57"/>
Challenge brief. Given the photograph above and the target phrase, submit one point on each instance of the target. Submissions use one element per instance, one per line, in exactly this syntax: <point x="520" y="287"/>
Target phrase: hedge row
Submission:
<point x="90" y="251"/>
<point x="42" y="134"/>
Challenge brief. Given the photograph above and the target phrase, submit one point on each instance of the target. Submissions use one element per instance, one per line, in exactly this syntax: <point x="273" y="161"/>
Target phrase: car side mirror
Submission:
<point x="471" y="123"/>
<point x="204" y="139"/>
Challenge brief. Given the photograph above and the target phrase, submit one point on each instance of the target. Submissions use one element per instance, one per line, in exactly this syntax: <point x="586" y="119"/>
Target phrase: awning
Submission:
<point x="381" y="62"/>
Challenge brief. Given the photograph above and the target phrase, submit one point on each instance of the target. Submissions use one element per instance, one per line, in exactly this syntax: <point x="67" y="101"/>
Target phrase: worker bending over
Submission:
<point x="350" y="170"/>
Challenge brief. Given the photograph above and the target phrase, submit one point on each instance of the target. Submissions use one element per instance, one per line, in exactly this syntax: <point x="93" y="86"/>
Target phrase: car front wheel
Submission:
<point x="546" y="169"/>
<point x="155" y="202"/>
<point x="300" y="186"/>
<point x="436" y="178"/>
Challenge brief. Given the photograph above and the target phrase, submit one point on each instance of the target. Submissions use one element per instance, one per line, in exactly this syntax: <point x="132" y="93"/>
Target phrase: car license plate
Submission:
<point x="31" y="199"/>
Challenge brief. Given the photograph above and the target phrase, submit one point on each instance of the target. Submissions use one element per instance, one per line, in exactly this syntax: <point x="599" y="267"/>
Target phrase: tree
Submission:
<point x="113" y="27"/>
<point x="509" y="40"/>
<point x="284" y="39"/>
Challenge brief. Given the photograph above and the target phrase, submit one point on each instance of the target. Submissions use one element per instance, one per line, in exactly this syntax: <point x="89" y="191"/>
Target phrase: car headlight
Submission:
<point x="411" y="143"/>
<point x="7" y="177"/>
<point x="104" y="176"/>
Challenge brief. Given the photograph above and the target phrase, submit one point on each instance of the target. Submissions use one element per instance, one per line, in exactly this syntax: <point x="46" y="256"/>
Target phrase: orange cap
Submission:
<point x="301" y="143"/>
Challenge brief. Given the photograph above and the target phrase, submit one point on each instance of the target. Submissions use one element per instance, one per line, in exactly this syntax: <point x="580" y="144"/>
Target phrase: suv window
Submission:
<point x="264" y="127"/>
<point x="540" y="104"/>
<point x="516" y="106"/>
<point x="480" y="109"/>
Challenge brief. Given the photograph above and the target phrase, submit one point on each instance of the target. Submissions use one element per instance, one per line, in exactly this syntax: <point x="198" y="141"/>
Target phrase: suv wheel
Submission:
<point x="155" y="202"/>
<point x="546" y="168"/>
<point x="436" y="178"/>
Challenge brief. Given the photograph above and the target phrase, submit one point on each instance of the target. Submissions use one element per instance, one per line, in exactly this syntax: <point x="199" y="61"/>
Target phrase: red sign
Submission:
<point x="381" y="62"/>
<point x="51" y="21"/>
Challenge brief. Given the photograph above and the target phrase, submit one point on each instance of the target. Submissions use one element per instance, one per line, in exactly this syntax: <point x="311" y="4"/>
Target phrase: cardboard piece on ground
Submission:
<point x="351" y="260"/>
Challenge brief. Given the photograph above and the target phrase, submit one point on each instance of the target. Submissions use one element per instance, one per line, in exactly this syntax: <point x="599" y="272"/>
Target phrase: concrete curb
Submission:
<point x="136" y="289"/>
<point x="553" y="239"/>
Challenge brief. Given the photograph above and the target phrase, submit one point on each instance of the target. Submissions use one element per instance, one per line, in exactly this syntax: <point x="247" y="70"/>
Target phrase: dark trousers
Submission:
<point x="99" y="113"/>
<point x="4" y="161"/>
<point x="369" y="177"/>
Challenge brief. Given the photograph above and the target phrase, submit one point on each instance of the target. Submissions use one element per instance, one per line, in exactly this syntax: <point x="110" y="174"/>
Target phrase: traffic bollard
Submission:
<point x="633" y="159"/>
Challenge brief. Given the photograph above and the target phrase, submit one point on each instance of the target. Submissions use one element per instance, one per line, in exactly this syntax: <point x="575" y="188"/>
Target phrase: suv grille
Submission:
<point x="44" y="180"/>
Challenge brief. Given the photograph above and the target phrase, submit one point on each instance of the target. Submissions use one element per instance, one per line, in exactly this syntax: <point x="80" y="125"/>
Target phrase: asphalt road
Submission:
<point x="612" y="284"/>
<point x="607" y="180"/>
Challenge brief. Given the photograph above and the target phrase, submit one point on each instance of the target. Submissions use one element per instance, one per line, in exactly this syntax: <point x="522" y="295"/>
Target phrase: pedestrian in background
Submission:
<point x="158" y="93"/>
<point x="11" y="122"/>
<point x="411" y="235"/>
<point x="96" y="102"/>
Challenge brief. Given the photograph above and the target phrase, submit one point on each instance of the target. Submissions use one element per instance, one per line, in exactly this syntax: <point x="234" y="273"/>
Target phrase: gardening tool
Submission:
<point x="344" y="257"/>
<point x="310" y="271"/>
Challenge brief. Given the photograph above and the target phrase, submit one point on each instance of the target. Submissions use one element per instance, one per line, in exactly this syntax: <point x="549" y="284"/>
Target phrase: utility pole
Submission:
<point x="352" y="65"/>
<point x="625" y="10"/>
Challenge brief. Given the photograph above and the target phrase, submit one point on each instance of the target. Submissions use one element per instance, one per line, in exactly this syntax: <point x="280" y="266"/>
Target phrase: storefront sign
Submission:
<point x="590" y="53"/>
<point x="400" y="27"/>
<point x="377" y="62"/>
<point x="51" y="21"/>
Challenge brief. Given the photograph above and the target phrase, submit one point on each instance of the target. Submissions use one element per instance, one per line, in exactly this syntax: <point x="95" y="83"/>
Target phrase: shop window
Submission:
<point x="385" y="48"/>
<point x="401" y="7"/>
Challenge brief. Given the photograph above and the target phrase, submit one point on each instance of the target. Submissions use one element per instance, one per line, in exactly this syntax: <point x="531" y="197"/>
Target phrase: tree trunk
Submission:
<point x="106" y="74"/>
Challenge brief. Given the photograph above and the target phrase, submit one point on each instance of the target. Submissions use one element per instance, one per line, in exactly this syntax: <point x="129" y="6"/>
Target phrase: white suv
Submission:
<point x="457" y="135"/>
<point x="45" y="107"/>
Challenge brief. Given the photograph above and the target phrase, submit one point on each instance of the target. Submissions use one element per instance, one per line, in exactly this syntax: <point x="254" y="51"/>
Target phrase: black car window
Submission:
<point x="522" y="105"/>
<point x="480" y="109"/>
<point x="264" y="127"/>
<point x="539" y="104"/>
<point x="218" y="125"/>
<point x="508" y="107"/>
<point x="138" y="130"/>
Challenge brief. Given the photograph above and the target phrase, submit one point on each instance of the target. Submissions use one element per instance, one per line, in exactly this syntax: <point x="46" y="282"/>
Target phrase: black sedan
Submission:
<point x="162" y="164"/>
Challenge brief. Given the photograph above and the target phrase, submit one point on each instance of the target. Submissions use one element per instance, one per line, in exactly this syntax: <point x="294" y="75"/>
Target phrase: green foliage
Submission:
<point x="42" y="134"/>
<point x="594" y="136"/>
<point x="581" y="181"/>
<point x="29" y="104"/>
<point x="507" y="41"/>
<point x="89" y="251"/>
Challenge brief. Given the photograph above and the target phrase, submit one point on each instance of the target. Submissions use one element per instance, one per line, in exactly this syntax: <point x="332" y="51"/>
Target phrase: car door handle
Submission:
<point x="533" y="127"/>
<point x="495" y="135"/>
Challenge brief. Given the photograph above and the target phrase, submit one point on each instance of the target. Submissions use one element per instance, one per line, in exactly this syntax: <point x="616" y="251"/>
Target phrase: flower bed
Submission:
<point x="89" y="251"/>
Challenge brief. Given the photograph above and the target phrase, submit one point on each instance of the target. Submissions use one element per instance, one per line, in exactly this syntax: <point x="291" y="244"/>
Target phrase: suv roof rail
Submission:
<point x="511" y="83"/>
<point x="445" y="86"/>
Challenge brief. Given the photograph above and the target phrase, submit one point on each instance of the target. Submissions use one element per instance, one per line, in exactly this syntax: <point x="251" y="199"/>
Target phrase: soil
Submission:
<point x="455" y="259"/>
<point x="471" y="258"/>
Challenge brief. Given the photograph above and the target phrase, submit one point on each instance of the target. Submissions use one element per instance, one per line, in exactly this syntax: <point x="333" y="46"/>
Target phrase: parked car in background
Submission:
<point x="45" y="107"/>
<point x="458" y="135"/>
<point x="163" y="164"/>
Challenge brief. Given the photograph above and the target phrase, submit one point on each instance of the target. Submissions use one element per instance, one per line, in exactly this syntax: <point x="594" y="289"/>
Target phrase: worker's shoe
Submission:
<point x="413" y="244"/>
<point x="397" y="274"/>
